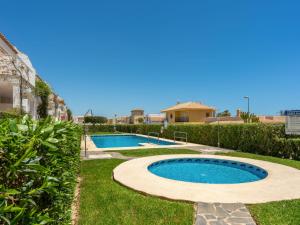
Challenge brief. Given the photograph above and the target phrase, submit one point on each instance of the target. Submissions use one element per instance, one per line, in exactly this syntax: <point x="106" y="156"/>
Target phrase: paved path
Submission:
<point x="223" y="214"/>
<point x="104" y="155"/>
<point x="205" y="149"/>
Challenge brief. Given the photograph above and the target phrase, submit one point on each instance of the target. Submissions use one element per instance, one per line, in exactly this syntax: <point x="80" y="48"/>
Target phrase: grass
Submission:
<point x="103" y="201"/>
<point x="155" y="151"/>
<point x="275" y="213"/>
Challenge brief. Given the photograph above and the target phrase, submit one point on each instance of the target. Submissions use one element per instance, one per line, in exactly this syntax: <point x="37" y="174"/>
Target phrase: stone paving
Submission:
<point x="205" y="149"/>
<point x="223" y="214"/>
<point x="103" y="155"/>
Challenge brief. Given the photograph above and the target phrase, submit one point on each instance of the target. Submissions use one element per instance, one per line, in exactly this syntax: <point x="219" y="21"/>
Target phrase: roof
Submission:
<point x="137" y="109"/>
<point x="8" y="43"/>
<point x="188" y="106"/>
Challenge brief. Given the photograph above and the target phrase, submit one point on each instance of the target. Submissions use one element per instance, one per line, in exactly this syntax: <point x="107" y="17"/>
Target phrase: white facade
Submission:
<point x="14" y="65"/>
<point x="57" y="107"/>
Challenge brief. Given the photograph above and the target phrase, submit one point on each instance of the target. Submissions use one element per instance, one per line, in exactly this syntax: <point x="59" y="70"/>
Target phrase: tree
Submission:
<point x="43" y="91"/>
<point x="252" y="118"/>
<point x="225" y="113"/>
<point x="69" y="113"/>
<point x="95" y="119"/>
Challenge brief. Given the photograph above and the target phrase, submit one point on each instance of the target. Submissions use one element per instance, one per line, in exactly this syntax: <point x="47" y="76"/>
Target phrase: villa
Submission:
<point x="17" y="84"/>
<point x="16" y="73"/>
<point x="188" y="112"/>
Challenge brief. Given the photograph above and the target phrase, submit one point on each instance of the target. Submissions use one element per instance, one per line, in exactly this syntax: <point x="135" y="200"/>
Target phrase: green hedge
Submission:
<point x="39" y="162"/>
<point x="264" y="139"/>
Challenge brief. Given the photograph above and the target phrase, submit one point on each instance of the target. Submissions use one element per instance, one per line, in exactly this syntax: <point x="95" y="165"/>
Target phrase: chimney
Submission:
<point x="238" y="113"/>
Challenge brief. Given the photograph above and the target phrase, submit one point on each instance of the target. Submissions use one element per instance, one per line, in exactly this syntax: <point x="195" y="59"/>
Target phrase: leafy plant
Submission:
<point x="43" y="91"/>
<point x="251" y="118"/>
<point x="224" y="113"/>
<point x="39" y="162"/>
<point x="95" y="119"/>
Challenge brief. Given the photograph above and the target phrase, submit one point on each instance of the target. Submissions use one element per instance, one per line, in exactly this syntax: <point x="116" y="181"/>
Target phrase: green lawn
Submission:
<point x="103" y="201"/>
<point x="274" y="213"/>
<point x="155" y="151"/>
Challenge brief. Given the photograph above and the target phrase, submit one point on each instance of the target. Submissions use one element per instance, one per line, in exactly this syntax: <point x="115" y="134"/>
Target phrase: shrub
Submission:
<point x="264" y="139"/>
<point x="95" y="119"/>
<point x="39" y="162"/>
<point x="43" y="91"/>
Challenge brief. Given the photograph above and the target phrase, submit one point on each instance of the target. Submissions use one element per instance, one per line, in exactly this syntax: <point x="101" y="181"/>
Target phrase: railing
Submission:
<point x="155" y="133"/>
<point x="181" y="135"/>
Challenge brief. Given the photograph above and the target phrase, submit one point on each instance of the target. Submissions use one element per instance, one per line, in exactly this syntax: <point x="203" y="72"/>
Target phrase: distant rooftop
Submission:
<point x="188" y="106"/>
<point x="137" y="109"/>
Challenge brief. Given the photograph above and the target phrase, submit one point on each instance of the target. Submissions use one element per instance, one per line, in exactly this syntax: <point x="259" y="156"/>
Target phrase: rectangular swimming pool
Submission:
<point x="115" y="141"/>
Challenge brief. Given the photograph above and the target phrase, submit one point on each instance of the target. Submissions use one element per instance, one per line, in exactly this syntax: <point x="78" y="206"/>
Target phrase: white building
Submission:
<point x="57" y="107"/>
<point x="16" y="74"/>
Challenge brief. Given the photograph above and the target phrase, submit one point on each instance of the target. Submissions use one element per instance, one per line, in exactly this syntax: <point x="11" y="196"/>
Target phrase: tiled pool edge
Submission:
<point x="92" y="147"/>
<point x="277" y="186"/>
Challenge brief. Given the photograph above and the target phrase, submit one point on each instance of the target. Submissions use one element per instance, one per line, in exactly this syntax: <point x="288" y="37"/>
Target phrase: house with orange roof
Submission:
<point x="188" y="112"/>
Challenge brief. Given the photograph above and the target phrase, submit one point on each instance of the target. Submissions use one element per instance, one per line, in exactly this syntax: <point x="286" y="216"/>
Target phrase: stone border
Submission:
<point x="282" y="182"/>
<point x="92" y="147"/>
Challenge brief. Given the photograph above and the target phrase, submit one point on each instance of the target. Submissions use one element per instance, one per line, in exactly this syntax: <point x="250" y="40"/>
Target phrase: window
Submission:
<point x="171" y="116"/>
<point x="207" y="114"/>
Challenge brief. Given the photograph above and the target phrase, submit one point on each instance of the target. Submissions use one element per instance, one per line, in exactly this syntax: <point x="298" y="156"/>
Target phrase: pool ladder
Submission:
<point x="155" y="133"/>
<point x="181" y="135"/>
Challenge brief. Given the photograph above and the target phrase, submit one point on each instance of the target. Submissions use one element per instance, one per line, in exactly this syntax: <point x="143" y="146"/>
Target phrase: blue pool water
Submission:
<point x="205" y="170"/>
<point x="114" y="141"/>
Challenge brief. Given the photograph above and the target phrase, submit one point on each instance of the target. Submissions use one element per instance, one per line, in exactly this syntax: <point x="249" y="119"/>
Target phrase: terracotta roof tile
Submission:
<point x="188" y="106"/>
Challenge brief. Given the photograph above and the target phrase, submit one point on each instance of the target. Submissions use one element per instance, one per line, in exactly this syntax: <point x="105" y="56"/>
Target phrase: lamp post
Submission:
<point x="115" y="123"/>
<point x="84" y="127"/>
<point x="248" y="111"/>
<point x="218" y="127"/>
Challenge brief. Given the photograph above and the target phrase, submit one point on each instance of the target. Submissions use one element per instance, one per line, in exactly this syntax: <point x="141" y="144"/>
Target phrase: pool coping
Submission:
<point x="91" y="147"/>
<point x="282" y="182"/>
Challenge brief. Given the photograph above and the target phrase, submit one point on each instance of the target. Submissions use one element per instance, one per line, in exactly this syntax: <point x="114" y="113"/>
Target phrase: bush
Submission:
<point x="39" y="162"/>
<point x="95" y="119"/>
<point x="264" y="139"/>
<point x="43" y="91"/>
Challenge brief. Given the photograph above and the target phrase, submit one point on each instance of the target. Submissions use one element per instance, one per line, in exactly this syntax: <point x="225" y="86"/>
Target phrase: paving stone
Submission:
<point x="244" y="220"/>
<point x="223" y="214"/>
<point x="232" y="207"/>
<point x="205" y="208"/>
<point x="210" y="217"/>
<point x="239" y="214"/>
<point x="219" y="222"/>
<point x="200" y="220"/>
<point x="243" y="210"/>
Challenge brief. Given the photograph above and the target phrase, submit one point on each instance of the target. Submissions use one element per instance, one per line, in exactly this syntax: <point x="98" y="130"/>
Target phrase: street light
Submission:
<point x="115" y="123"/>
<point x="89" y="112"/>
<point x="248" y="102"/>
<point x="218" y="120"/>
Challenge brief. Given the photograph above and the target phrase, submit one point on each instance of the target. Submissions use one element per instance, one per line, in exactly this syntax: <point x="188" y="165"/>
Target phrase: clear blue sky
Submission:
<point x="112" y="56"/>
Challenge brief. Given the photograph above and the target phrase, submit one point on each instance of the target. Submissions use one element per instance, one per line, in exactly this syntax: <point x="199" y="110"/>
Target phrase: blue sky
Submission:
<point x="112" y="56"/>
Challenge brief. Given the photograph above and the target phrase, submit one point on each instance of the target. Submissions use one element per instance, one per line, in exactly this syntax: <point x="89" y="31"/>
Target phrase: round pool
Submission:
<point x="207" y="170"/>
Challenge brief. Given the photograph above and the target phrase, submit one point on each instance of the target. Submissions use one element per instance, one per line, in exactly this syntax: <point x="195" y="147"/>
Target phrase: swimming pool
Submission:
<point x="207" y="170"/>
<point x="114" y="141"/>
